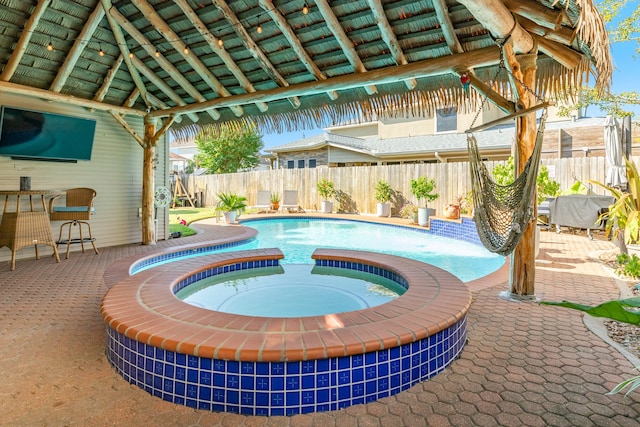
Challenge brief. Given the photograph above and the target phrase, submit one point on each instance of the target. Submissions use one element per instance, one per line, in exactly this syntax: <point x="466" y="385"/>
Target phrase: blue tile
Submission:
<point x="233" y="397"/>
<point x="247" y="382"/>
<point x="204" y="393"/>
<point x="277" y="383"/>
<point x="322" y="396"/>
<point x="277" y="399"/>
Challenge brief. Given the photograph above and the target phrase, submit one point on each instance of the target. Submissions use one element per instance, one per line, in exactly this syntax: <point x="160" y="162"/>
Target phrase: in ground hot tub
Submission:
<point x="283" y="366"/>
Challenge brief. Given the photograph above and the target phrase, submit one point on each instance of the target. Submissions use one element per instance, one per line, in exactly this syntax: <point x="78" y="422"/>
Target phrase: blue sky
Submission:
<point x="625" y="78"/>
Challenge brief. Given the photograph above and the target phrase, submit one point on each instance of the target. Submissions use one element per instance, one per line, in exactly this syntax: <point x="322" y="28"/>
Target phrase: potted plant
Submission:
<point x="383" y="196"/>
<point x="231" y="205"/>
<point x="410" y="211"/>
<point x="453" y="210"/>
<point x="423" y="188"/>
<point x="275" y="201"/>
<point x="326" y="190"/>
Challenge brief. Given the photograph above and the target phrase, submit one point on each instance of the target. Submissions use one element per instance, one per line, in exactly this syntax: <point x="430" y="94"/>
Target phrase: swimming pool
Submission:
<point x="456" y="250"/>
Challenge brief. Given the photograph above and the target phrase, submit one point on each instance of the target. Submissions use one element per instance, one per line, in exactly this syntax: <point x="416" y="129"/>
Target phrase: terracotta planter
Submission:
<point x="275" y="206"/>
<point x="452" y="212"/>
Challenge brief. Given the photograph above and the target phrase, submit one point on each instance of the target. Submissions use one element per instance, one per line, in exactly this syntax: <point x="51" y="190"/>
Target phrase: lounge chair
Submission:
<point x="290" y="201"/>
<point x="263" y="202"/>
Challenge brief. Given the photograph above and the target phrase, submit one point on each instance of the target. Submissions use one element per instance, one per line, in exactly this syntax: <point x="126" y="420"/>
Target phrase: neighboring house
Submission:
<point x="177" y="163"/>
<point x="438" y="139"/>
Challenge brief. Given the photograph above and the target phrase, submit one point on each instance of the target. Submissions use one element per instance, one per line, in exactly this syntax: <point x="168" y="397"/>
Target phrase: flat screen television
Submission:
<point x="36" y="135"/>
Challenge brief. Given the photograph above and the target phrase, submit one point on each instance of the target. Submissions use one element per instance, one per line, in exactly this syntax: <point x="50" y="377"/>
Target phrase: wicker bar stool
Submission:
<point x="77" y="211"/>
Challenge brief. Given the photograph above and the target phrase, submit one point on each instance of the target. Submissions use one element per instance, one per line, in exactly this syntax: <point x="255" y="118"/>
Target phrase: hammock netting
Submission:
<point x="502" y="212"/>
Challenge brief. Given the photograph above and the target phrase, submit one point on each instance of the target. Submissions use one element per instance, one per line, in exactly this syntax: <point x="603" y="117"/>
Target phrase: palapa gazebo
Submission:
<point x="284" y="65"/>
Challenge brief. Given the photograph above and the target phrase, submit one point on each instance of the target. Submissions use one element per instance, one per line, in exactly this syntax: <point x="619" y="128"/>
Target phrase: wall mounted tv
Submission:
<point x="36" y="135"/>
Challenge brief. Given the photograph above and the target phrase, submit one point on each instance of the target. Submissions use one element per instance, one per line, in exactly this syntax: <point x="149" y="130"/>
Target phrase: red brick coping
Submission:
<point x="143" y="307"/>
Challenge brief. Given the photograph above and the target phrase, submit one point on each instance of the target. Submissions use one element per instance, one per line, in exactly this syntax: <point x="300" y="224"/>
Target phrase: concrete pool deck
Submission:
<point x="524" y="364"/>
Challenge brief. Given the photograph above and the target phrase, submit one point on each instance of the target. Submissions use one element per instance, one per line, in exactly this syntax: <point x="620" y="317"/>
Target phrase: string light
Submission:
<point x="130" y="54"/>
<point x="259" y="29"/>
<point x="305" y="9"/>
<point x="101" y="52"/>
<point x="50" y="46"/>
<point x="157" y="53"/>
<point x="220" y="42"/>
<point x="186" y="50"/>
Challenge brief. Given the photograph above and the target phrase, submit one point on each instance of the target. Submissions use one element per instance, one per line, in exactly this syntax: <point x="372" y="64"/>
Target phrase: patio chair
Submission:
<point x="77" y="211"/>
<point x="263" y="202"/>
<point x="290" y="201"/>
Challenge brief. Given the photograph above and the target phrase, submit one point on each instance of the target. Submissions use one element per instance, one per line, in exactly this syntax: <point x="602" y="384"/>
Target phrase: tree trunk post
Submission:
<point x="522" y="273"/>
<point x="148" y="223"/>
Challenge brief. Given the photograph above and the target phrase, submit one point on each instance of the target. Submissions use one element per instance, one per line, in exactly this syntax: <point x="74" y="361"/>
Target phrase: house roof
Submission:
<point x="207" y="63"/>
<point x="496" y="138"/>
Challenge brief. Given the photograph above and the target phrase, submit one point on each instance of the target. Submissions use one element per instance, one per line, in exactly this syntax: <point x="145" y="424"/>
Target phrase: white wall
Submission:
<point x="114" y="171"/>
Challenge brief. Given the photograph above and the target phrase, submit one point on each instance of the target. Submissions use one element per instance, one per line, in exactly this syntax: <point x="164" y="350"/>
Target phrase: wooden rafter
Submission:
<point x="390" y="38"/>
<point x="220" y="51"/>
<point x="159" y="82"/>
<point x="161" y="60"/>
<point x="347" y="45"/>
<point x="565" y="56"/>
<point x="128" y="128"/>
<point x="253" y="48"/>
<point x="486" y="91"/>
<point x="430" y="67"/>
<point x="293" y="40"/>
<point x="23" y="41"/>
<point x="446" y="26"/>
<point x="106" y="82"/>
<point x="537" y="13"/>
<point x="165" y="30"/>
<point x="76" y="50"/>
<point x="562" y="35"/>
<point x="122" y="44"/>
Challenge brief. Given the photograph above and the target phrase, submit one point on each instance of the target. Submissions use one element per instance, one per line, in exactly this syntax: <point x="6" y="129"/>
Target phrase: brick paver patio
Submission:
<point x="525" y="364"/>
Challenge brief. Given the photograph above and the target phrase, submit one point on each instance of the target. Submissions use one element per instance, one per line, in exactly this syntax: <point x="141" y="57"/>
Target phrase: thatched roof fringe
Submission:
<point x="592" y="31"/>
<point x="553" y="81"/>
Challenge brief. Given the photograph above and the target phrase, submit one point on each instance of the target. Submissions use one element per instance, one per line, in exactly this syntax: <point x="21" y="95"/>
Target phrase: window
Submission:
<point x="290" y="164"/>
<point x="312" y="163"/>
<point x="301" y="164"/>
<point x="446" y="120"/>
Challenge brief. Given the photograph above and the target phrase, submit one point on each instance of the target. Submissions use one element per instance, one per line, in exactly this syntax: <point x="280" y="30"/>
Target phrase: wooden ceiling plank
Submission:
<point x="165" y="88"/>
<point x="165" y="30"/>
<point x="484" y="57"/>
<point x="498" y="20"/>
<point x="253" y="48"/>
<point x="175" y="74"/>
<point x="108" y="79"/>
<point x="76" y="50"/>
<point x="347" y="45"/>
<point x="220" y="51"/>
<point x="23" y="41"/>
<point x="288" y="33"/>
<point x="122" y="44"/>
<point x="389" y="37"/>
<point x="29" y="91"/>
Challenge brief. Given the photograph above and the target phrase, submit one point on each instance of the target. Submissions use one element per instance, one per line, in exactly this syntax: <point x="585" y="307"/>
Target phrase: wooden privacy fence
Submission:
<point x="356" y="185"/>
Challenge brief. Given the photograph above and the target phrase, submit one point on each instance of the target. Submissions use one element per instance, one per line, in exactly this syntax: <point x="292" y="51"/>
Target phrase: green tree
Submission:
<point x="621" y="28"/>
<point x="229" y="151"/>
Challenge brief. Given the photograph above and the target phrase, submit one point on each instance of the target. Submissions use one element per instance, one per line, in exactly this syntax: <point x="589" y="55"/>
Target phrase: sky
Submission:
<point x="625" y="78"/>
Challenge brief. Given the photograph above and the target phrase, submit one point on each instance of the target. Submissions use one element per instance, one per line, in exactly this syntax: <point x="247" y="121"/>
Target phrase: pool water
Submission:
<point x="292" y="290"/>
<point x="297" y="238"/>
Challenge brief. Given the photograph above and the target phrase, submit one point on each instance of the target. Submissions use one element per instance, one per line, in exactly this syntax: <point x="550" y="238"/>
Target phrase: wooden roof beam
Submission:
<point x="8" y="87"/>
<point x="537" y="13"/>
<point x="389" y="37"/>
<point x="498" y="20"/>
<point x="220" y="51"/>
<point x="108" y="79"/>
<point x="484" y="57"/>
<point x="448" y="30"/>
<point x="347" y="45"/>
<point x="23" y="41"/>
<point x="165" y="30"/>
<point x="131" y="99"/>
<point x="564" y="55"/>
<point x="562" y="35"/>
<point x="76" y="50"/>
<point x="253" y="48"/>
<point x="165" y="88"/>
<point x="486" y="91"/>
<point x="124" y="49"/>
<point x="161" y="60"/>
<point x="288" y="33"/>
